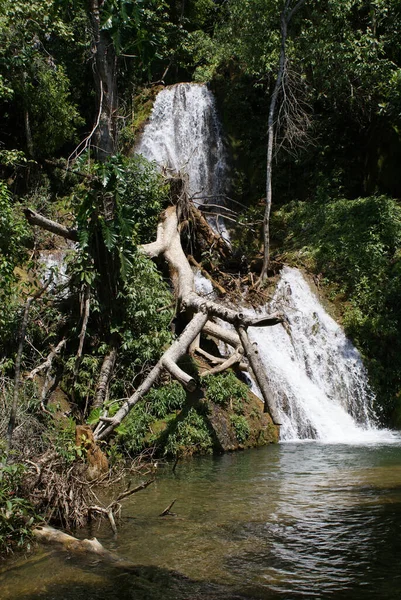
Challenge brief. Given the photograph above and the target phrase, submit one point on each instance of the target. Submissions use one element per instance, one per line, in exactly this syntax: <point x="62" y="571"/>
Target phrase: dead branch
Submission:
<point x="178" y="348"/>
<point x="232" y="360"/>
<point x="106" y="372"/>
<point x="49" y="360"/>
<point x="167" y="511"/>
<point x="136" y="489"/>
<point x="260" y="373"/>
<point x="85" y="319"/>
<point x="35" y="218"/>
<point x="286" y="15"/>
<point x="82" y="146"/>
<point x="207" y="275"/>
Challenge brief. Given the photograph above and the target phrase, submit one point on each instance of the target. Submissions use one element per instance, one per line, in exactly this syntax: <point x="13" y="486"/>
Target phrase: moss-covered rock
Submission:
<point x="230" y="429"/>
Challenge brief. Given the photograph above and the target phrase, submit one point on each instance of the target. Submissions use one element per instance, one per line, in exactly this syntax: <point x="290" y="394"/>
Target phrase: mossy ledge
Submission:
<point x="222" y="415"/>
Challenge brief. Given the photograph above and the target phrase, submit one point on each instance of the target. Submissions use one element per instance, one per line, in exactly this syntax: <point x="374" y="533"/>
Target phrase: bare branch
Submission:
<point x="35" y="218"/>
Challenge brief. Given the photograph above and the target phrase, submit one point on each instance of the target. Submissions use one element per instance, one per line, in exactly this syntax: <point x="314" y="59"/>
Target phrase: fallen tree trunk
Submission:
<point x="49" y="535"/>
<point x="168" y="244"/>
<point x="177" y="349"/>
<point x="201" y="313"/>
<point x="35" y="218"/>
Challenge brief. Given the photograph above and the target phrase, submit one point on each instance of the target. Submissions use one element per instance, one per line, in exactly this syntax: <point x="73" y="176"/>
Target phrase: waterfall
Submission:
<point x="316" y="374"/>
<point x="184" y="135"/>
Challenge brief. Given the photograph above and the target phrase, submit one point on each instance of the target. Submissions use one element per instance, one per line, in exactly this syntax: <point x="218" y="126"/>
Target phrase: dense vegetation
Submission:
<point x="76" y="84"/>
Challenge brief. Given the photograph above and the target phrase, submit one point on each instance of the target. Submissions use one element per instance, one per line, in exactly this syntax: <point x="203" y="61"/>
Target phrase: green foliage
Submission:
<point x="356" y="245"/>
<point x="83" y="387"/>
<point x="35" y="89"/>
<point x="135" y="26"/>
<point x="145" y="328"/>
<point x="134" y="429"/>
<point x="241" y="427"/>
<point x="191" y="435"/>
<point x="16" y="514"/>
<point x="14" y="236"/>
<point x="117" y="206"/>
<point x="137" y="430"/>
<point x="224" y="388"/>
<point x="166" y="399"/>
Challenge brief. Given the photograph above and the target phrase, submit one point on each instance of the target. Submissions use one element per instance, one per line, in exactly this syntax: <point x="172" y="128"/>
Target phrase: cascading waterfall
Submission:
<point x="184" y="136"/>
<point x="316" y="374"/>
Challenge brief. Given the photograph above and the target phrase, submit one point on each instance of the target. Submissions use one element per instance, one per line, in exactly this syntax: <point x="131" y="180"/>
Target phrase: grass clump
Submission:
<point x="190" y="436"/>
<point x="224" y="389"/>
<point x="241" y="427"/>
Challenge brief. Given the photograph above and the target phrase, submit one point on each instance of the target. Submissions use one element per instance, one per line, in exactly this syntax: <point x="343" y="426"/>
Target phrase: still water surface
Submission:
<point x="299" y="520"/>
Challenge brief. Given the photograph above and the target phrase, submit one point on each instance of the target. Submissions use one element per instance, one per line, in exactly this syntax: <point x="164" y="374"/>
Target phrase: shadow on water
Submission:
<point x="95" y="582"/>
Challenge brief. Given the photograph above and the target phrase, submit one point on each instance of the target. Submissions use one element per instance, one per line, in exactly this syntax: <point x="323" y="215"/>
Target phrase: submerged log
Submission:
<point x="49" y="535"/>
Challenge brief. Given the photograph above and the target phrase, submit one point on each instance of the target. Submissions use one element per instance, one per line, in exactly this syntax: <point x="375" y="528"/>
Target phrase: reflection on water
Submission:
<point x="290" y="521"/>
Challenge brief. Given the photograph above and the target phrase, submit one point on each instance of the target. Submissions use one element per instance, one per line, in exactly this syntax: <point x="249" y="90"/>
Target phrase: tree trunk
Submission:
<point x="104" y="378"/>
<point x="105" y="75"/>
<point x="285" y="18"/>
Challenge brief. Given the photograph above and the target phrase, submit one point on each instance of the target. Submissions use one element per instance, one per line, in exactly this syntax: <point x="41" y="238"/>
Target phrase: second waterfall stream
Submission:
<point x="316" y="375"/>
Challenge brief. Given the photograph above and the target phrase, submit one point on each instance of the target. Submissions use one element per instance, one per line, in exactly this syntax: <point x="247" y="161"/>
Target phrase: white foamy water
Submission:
<point x="317" y="376"/>
<point x="184" y="135"/>
<point x="54" y="261"/>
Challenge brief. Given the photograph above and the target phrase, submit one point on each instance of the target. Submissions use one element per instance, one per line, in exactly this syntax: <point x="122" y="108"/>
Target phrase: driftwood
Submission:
<point x="167" y="511"/>
<point x="49" y="535"/>
<point x="115" y="506"/>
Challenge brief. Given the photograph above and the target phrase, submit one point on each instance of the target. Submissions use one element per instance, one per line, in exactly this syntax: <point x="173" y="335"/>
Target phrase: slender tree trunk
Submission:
<point x="27" y="123"/>
<point x="104" y="378"/>
<point x="105" y="75"/>
<point x="285" y="18"/>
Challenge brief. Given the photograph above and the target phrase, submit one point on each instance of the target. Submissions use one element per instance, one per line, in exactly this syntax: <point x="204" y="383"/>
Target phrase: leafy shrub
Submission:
<point x="224" y="388"/>
<point x="190" y="435"/>
<point x="164" y="400"/>
<point x="241" y="427"/>
<point x="16" y="514"/>
<point x="158" y="404"/>
<point x="133" y="430"/>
